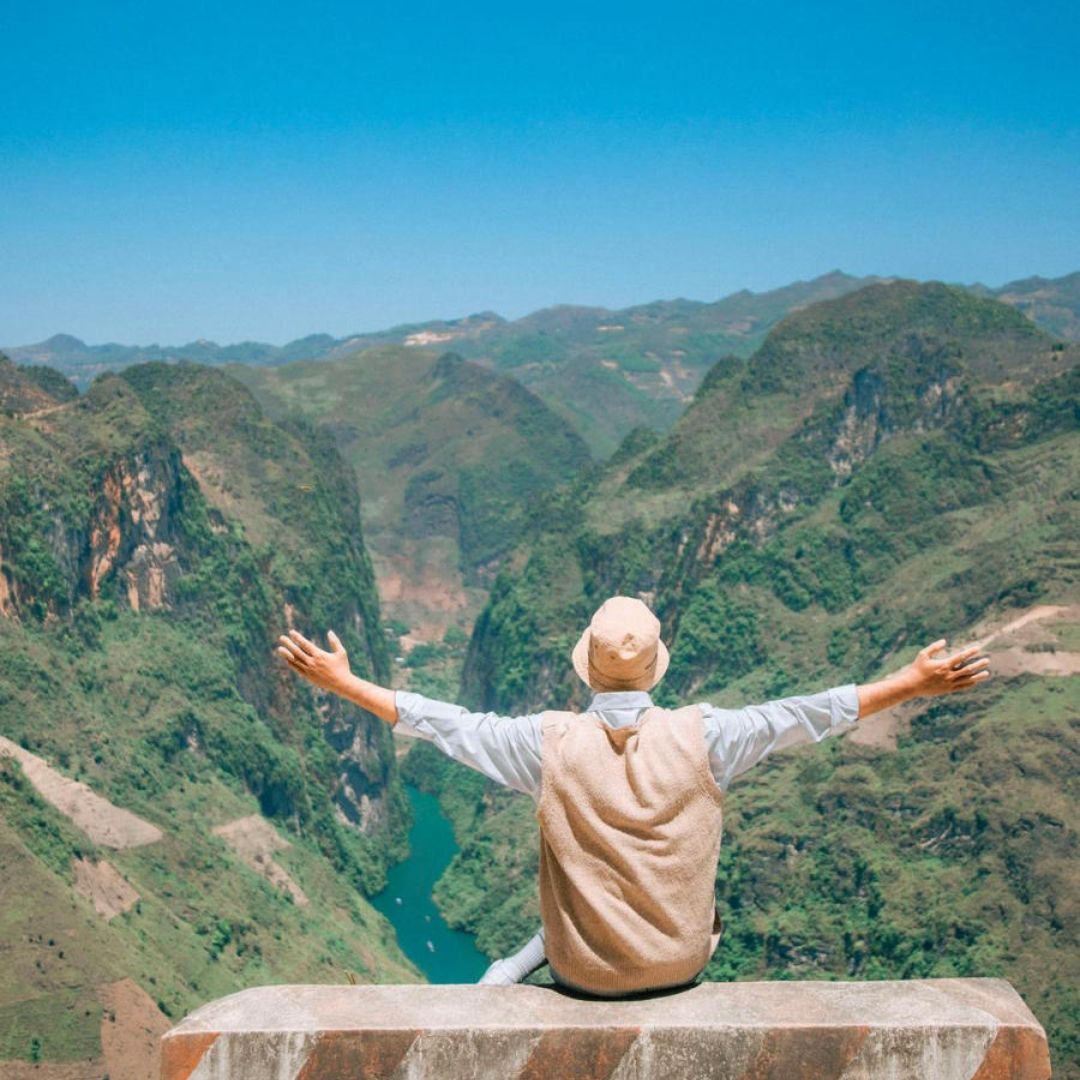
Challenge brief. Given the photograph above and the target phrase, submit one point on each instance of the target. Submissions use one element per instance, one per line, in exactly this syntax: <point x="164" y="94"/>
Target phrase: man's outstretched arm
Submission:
<point x="504" y="748"/>
<point x="925" y="676"/>
<point x="739" y="738"/>
<point x="331" y="671"/>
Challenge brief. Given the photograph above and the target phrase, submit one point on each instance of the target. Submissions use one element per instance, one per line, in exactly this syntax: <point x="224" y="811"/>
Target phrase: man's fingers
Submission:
<point x="963" y="655"/>
<point x="335" y="643"/>
<point x="960" y="668"/>
<point x="300" y="668"/>
<point x="291" y="649"/>
<point x="288" y="644"/>
<point x="969" y="681"/>
<point x="930" y="649"/>
<point x="306" y="646"/>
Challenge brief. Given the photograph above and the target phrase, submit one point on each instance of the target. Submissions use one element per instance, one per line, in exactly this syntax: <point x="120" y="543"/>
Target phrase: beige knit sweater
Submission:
<point x="630" y="822"/>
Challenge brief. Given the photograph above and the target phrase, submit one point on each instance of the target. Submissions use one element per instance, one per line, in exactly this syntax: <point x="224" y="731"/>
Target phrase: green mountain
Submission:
<point x="180" y="816"/>
<point x="605" y="371"/>
<point x="890" y="467"/>
<point x="806" y="485"/>
<point x="610" y="371"/>
<point x="448" y="456"/>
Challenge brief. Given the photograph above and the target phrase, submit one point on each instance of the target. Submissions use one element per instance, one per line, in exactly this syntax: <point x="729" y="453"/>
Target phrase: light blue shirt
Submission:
<point x="508" y="748"/>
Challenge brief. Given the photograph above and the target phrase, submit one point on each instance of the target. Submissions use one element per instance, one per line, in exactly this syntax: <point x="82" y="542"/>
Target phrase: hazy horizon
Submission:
<point x="195" y="338"/>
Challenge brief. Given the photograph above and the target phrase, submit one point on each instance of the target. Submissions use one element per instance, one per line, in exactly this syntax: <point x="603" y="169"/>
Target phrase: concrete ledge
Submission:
<point x="935" y="1029"/>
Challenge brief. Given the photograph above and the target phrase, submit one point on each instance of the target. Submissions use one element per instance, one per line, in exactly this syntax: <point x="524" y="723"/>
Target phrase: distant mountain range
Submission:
<point x="1051" y="303"/>
<point x="603" y="370"/>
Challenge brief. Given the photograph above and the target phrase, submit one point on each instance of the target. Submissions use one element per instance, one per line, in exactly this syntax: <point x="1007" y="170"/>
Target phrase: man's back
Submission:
<point x="620" y="656"/>
<point x="630" y="823"/>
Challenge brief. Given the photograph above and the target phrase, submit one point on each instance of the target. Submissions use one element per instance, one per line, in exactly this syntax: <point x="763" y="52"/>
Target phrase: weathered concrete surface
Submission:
<point x="935" y="1029"/>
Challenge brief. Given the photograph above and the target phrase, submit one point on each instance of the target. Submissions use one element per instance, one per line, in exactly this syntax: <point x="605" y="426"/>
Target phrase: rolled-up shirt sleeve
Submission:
<point x="738" y="739"/>
<point x="504" y="748"/>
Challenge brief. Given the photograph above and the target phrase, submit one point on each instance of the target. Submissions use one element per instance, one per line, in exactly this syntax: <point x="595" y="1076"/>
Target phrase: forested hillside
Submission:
<point x="891" y="467"/>
<point x="448" y="457"/>
<point x="180" y="817"/>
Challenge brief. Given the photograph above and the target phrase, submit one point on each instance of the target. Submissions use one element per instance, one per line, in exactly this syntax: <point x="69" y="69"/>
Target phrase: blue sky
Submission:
<point x="262" y="171"/>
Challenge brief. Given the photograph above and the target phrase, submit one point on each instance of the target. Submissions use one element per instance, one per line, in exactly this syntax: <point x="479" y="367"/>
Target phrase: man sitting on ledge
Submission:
<point x="629" y="795"/>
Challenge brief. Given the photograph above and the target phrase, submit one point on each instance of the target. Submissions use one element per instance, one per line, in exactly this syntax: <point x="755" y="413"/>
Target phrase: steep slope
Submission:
<point x="448" y="456"/>
<point x="609" y="371"/>
<point x="911" y="339"/>
<point x="893" y="374"/>
<point x="142" y="710"/>
<point x="891" y="467"/>
<point x="26" y="387"/>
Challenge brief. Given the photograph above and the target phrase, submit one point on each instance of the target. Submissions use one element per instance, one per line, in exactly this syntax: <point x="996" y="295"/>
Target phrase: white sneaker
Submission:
<point x="499" y="974"/>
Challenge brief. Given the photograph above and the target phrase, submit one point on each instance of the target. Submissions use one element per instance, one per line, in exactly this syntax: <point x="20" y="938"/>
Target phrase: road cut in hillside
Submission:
<point x="254" y="840"/>
<point x="1025" y="645"/>
<point x="102" y="821"/>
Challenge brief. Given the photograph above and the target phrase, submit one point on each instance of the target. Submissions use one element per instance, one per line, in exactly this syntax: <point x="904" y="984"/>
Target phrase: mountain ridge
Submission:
<point x="62" y="341"/>
<point x="603" y="370"/>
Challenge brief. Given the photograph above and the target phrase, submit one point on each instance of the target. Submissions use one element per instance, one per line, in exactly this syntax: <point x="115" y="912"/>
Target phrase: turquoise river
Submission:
<point x="442" y="954"/>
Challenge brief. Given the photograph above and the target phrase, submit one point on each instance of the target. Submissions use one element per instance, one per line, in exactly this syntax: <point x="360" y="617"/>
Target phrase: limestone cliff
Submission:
<point x="177" y="809"/>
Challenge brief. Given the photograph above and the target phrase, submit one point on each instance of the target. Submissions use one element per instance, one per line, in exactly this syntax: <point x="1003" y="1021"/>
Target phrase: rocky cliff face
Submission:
<point x="131" y="527"/>
<point x="295" y="500"/>
<point x="178" y="810"/>
<point x="68" y="537"/>
<point x="100" y="507"/>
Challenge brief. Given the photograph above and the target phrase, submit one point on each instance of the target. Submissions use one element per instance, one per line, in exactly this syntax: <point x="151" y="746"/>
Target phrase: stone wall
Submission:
<point x="936" y="1029"/>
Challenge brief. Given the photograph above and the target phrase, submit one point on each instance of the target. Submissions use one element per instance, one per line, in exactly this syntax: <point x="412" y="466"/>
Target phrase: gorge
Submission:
<point x="894" y="462"/>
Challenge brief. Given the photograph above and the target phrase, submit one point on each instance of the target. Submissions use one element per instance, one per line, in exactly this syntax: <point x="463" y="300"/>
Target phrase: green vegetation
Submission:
<point x="433" y="668"/>
<point x="892" y="467"/>
<point x="441" y="447"/>
<point x="156" y="535"/>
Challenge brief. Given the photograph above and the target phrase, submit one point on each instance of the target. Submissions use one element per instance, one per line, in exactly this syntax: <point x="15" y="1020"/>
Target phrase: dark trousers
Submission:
<point x="565" y="984"/>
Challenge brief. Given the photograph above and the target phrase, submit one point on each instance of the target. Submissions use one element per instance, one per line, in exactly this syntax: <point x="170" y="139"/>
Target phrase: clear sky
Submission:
<point x="262" y="171"/>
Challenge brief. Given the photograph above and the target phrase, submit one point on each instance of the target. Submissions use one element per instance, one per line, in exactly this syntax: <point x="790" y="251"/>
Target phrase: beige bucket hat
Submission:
<point x="621" y="647"/>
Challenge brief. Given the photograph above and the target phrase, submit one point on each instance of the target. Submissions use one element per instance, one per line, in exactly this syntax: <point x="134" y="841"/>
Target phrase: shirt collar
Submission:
<point x="620" y="699"/>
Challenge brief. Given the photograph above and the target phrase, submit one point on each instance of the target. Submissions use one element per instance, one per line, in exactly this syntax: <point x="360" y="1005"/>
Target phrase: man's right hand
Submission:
<point x="929" y="675"/>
